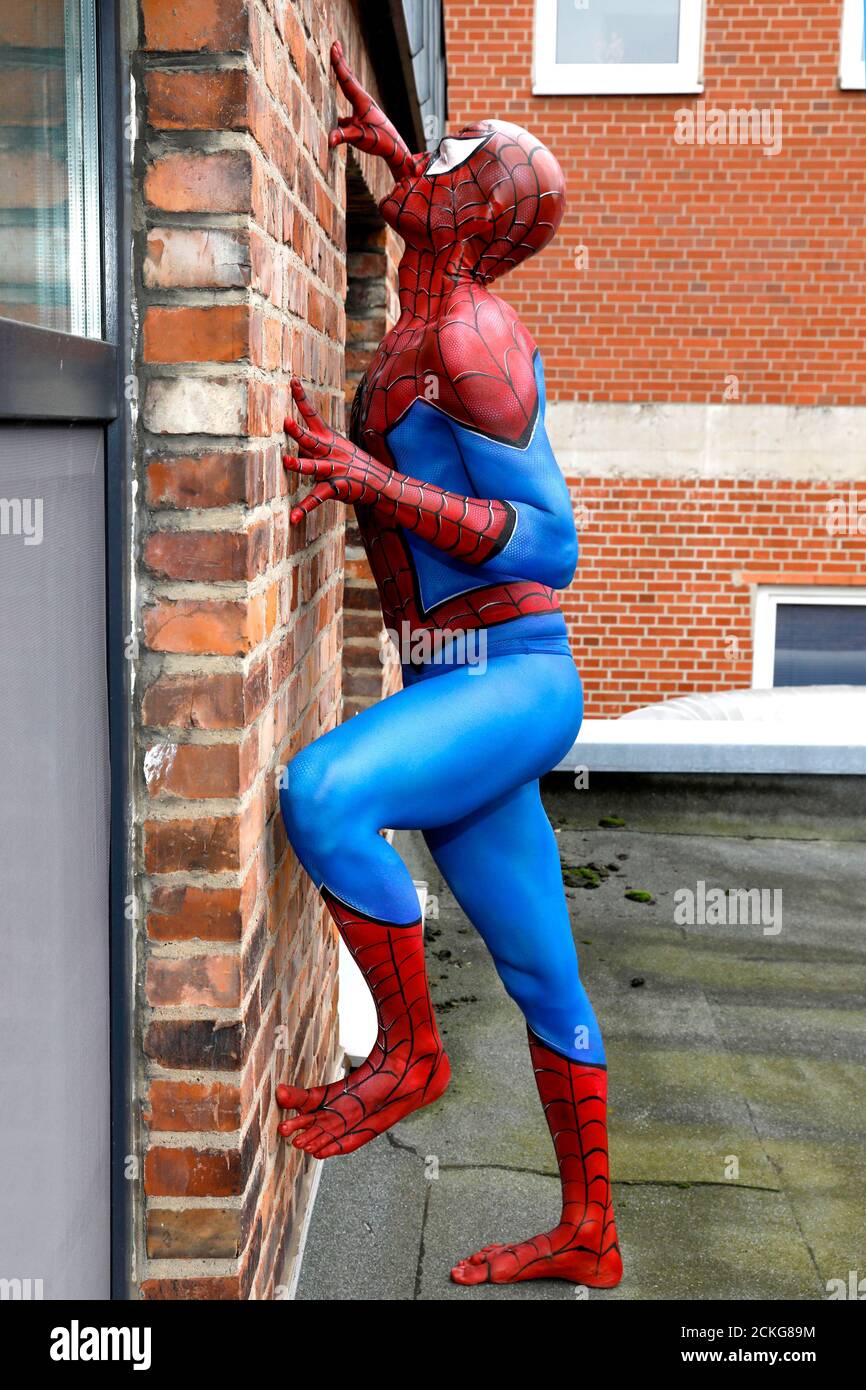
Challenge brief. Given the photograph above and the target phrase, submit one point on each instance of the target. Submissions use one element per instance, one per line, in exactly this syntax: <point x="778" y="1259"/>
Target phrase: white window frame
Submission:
<point x="852" y="68"/>
<point x="767" y="600"/>
<point x="618" y="79"/>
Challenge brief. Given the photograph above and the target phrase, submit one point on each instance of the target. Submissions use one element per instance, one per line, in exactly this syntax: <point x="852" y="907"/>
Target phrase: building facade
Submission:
<point x="177" y="239"/>
<point x="258" y="253"/>
<point x="700" y="316"/>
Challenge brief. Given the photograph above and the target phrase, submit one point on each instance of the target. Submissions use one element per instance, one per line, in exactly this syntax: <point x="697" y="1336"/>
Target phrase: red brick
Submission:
<point x="212" y="701"/>
<point x="223" y="628"/>
<point x="193" y="1290"/>
<point x="193" y="182"/>
<point x="215" y="25"/>
<point x="211" y="844"/>
<point x="192" y="1173"/>
<point x="208" y="555"/>
<point x="198" y="100"/>
<point x="216" y="334"/>
<point x="189" y="914"/>
<point x="193" y="770"/>
<point x="192" y="1105"/>
<point x="193" y="982"/>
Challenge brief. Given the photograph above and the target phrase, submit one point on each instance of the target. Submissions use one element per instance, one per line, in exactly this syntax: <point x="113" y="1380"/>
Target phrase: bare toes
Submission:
<point x="296" y="1124"/>
<point x="290" y="1097"/>
<point x="470" y="1272"/>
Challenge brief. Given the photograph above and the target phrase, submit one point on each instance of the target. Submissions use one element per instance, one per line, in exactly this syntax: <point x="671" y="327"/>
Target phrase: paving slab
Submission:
<point x="366" y="1229"/>
<point x="737" y="1067"/>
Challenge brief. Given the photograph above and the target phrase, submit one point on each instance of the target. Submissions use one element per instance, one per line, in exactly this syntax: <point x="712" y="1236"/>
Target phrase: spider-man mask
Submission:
<point x="492" y="193"/>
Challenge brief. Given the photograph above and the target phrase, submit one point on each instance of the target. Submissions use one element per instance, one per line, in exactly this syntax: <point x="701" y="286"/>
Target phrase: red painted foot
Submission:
<point x="408" y="1067"/>
<point x="583" y="1247"/>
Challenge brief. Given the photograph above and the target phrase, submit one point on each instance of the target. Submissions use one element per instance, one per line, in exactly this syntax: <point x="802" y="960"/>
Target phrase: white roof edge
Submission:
<point x="666" y="745"/>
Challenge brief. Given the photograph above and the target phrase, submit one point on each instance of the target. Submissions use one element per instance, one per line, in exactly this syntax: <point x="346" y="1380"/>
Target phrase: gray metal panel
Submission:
<point x="46" y="375"/>
<point x="425" y="29"/>
<point x="54" y="809"/>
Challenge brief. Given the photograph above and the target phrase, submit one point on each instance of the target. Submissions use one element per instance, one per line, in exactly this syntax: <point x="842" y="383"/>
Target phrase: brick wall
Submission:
<point x="663" y="602"/>
<point x="371" y="668"/>
<point x="240" y="279"/>
<point x="676" y="268"/>
<point x="703" y="260"/>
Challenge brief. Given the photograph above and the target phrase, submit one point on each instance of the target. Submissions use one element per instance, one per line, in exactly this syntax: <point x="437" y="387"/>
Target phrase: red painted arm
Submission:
<point x="472" y="529"/>
<point x="368" y="128"/>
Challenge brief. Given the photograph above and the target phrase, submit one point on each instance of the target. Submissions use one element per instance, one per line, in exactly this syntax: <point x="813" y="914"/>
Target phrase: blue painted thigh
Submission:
<point x="428" y="756"/>
<point x="502" y="864"/>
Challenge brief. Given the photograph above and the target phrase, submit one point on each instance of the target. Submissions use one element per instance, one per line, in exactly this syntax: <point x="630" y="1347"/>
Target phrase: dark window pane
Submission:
<point x="617" y="31"/>
<point x="820" y="644"/>
<point x="49" y="173"/>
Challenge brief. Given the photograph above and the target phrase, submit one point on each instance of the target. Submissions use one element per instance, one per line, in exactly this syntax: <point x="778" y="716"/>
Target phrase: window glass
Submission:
<point x="820" y="644"/>
<point x="50" y="272"/>
<point x="617" y="31"/>
<point x="852" y="66"/>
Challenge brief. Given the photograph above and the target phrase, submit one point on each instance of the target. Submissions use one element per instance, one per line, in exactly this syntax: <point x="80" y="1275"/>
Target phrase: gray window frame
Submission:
<point x="47" y="375"/>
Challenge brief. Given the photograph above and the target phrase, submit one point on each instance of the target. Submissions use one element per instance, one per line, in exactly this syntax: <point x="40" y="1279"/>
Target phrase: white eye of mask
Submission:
<point x="453" y="152"/>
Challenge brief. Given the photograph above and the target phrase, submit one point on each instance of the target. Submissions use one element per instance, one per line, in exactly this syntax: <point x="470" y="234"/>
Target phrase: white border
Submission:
<point x="767" y="600"/>
<point x="618" y="79"/>
<point x="852" y="69"/>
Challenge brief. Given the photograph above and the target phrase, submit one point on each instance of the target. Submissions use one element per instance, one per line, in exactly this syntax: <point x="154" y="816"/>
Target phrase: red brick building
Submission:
<point x="700" y="315"/>
<point x="177" y="239"/>
<point x="253" y="242"/>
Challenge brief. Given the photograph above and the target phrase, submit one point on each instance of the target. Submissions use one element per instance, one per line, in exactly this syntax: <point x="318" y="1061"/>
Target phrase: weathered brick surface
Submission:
<point x="214" y="25"/>
<point x="180" y="1106"/>
<point x="240" y="280"/>
<point x="183" y="181"/>
<point x="194" y="1233"/>
<point x="371" y="668"/>
<point x="192" y="1290"/>
<point x="196" y="258"/>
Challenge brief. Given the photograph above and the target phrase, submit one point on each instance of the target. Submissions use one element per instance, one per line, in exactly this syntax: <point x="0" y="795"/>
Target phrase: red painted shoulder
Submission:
<point x="481" y="357"/>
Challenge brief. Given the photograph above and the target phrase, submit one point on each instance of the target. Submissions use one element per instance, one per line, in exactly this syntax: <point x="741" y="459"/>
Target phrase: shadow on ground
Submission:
<point x="737" y="1071"/>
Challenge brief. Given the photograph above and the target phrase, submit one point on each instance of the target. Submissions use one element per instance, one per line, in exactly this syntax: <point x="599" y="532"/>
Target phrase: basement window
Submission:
<point x="616" y="47"/>
<point x="809" y="636"/>
<point x="852" y="65"/>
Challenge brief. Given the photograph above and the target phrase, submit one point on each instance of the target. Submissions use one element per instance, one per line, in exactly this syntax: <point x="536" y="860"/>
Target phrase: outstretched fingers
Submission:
<point x="291" y="1126"/>
<point x="347" y="131"/>
<point x="336" y="489"/>
<point x="351" y="88"/>
<point x="306" y="407"/>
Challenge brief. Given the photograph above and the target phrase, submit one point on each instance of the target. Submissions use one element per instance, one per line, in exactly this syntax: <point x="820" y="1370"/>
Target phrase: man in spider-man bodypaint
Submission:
<point x="468" y="526"/>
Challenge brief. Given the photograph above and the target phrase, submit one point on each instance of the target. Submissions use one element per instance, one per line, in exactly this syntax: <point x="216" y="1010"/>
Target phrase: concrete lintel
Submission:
<point x="807" y="443"/>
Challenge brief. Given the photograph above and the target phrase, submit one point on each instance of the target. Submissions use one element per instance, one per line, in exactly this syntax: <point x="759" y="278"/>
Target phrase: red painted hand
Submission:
<point x="368" y="128"/>
<point x="471" y="528"/>
<point x="342" y="472"/>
